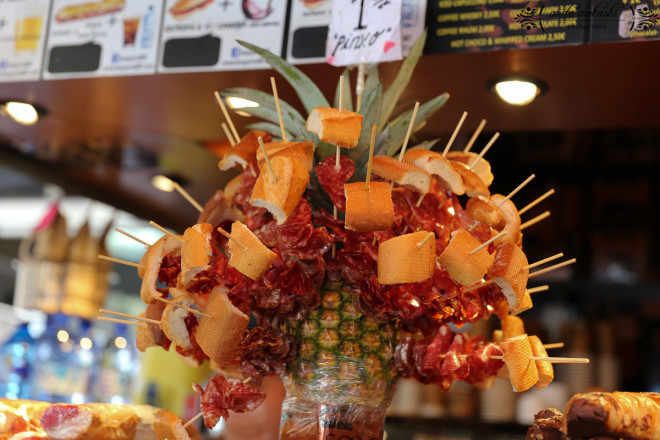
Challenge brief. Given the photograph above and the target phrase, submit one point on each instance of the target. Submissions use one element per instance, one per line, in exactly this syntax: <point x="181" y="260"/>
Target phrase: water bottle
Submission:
<point x="59" y="372"/>
<point x="16" y="356"/>
<point x="147" y="28"/>
<point x="116" y="372"/>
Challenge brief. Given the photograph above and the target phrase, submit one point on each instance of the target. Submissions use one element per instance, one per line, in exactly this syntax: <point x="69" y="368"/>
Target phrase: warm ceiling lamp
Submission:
<point x="516" y="90"/>
<point x="21" y="112"/>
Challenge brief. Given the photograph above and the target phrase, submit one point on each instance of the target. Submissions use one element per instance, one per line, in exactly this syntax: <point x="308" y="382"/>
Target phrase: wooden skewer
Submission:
<point x="478" y="286"/>
<point x="373" y="242"/>
<point x="486" y="243"/>
<point x="554" y="360"/>
<point x="193" y="420"/>
<point x="545" y="260"/>
<point x="474" y="137"/>
<point x="427" y="238"/>
<point x="226" y="234"/>
<point x="409" y="132"/>
<point x="117" y="260"/>
<point x="263" y="150"/>
<point x="119" y="321"/>
<point x="247" y="379"/>
<point x="181" y="306"/>
<point x="121" y="231"/>
<point x="334" y="245"/>
<point x="279" y="110"/>
<point x="555" y="345"/>
<point x="538" y="289"/>
<point x="551" y="268"/>
<point x="536" y="202"/>
<point x="226" y="114"/>
<point x="341" y="106"/>
<point x="485" y="150"/>
<point x="419" y="201"/>
<point x="162" y="229"/>
<point x="518" y="188"/>
<point x="228" y="134"/>
<point x="126" y="315"/>
<point x="371" y="157"/>
<point x="188" y="197"/>
<point x="535" y="220"/>
<point x="454" y="134"/>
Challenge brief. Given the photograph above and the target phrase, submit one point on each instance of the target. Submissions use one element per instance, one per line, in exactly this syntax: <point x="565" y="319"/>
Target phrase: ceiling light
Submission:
<point x="517" y="91"/>
<point x="162" y="183"/>
<point x="235" y="102"/>
<point x="21" y="112"/>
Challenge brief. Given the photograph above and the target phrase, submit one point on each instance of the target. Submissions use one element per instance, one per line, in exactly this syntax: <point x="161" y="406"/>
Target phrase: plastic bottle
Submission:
<point x="16" y="359"/>
<point x="117" y="369"/>
<point x="147" y="28"/>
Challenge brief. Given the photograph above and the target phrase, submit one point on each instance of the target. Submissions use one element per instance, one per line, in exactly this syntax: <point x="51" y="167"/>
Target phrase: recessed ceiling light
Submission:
<point x="517" y="91"/>
<point x="21" y="112"/>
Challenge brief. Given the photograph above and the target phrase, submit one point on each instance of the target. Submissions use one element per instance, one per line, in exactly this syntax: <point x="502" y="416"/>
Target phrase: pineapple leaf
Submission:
<point x="371" y="101"/>
<point x="267" y="109"/>
<point x="268" y="127"/>
<point x="309" y="94"/>
<point x="348" y="99"/>
<point x="427" y="145"/>
<point x="399" y="126"/>
<point x="381" y="145"/>
<point x="392" y="94"/>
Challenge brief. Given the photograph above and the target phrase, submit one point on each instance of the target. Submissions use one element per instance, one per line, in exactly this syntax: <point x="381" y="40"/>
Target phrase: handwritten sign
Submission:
<point x="364" y="31"/>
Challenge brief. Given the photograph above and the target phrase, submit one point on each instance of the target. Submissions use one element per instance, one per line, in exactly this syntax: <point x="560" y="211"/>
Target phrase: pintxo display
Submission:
<point x="345" y="303"/>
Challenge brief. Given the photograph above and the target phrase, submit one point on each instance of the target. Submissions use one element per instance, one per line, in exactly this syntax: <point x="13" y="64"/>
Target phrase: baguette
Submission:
<point x="618" y="414"/>
<point x="244" y="152"/>
<point x="511" y="218"/>
<point x="509" y="273"/>
<point x="371" y="210"/>
<point x="231" y="188"/>
<point x="512" y="326"/>
<point x="303" y="152"/>
<point x="254" y="260"/>
<point x="524" y="304"/>
<point x="89" y="421"/>
<point x="336" y="127"/>
<point x="403" y="173"/>
<point x="88" y="10"/>
<point x="465" y="268"/>
<point x="173" y="321"/>
<point x="281" y="196"/>
<point x="400" y="260"/>
<point x="439" y="167"/>
<point x="481" y="168"/>
<point x="151" y="261"/>
<point x="195" y="251"/>
<point x="168" y="426"/>
<point x="218" y="208"/>
<point x="484" y="211"/>
<point x="219" y="335"/>
<point x="545" y="369"/>
<point x="474" y="186"/>
<point x="20" y="415"/>
<point x="518" y="359"/>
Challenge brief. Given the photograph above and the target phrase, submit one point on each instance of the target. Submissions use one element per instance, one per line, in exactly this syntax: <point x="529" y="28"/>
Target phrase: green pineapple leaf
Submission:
<point x="267" y="109"/>
<point x="427" y="145"/>
<point x="309" y="94"/>
<point x="348" y="100"/>
<point x="392" y="94"/>
<point x="371" y="100"/>
<point x="268" y="127"/>
<point x="399" y="126"/>
<point x="381" y="145"/>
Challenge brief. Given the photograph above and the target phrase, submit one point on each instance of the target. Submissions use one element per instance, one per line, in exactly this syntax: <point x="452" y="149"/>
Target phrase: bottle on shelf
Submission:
<point x="16" y="359"/>
<point x="116" y="372"/>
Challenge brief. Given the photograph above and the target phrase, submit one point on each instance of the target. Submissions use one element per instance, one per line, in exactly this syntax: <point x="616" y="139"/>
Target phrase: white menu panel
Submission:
<point x="204" y="37"/>
<point x="22" y="36"/>
<point x="102" y="38"/>
<point x="308" y="31"/>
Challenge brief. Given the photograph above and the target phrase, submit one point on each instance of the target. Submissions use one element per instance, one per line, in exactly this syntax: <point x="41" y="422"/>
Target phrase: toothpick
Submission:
<point x="518" y="188"/>
<point x="132" y="237"/>
<point x="551" y="268"/>
<point x="187" y="196"/>
<point x="227" y="117"/>
<point x="475" y="136"/>
<point x="190" y="309"/>
<point x="419" y="201"/>
<point x="478" y="286"/>
<point x="193" y="420"/>
<point x="538" y="289"/>
<point x="117" y="260"/>
<point x="554" y="360"/>
<point x="374" y="241"/>
<point x="226" y="234"/>
<point x="454" y="134"/>
<point x="536" y="202"/>
<point x="279" y="110"/>
<point x="263" y="150"/>
<point x="410" y="128"/>
<point x="535" y="220"/>
<point x="359" y="86"/>
<point x="486" y="243"/>
<point x="247" y="379"/>
<point x="427" y="238"/>
<point x="334" y="245"/>
<point x="371" y="156"/>
<point x="126" y="315"/>
<point x="555" y="345"/>
<point x="341" y="92"/>
<point x="119" y="321"/>
<point x="485" y="150"/>
<point x="162" y="229"/>
<point x="228" y="134"/>
<point x="545" y="260"/>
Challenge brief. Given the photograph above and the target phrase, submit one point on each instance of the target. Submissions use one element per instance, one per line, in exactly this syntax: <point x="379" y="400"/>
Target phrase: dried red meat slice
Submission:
<point x="332" y="179"/>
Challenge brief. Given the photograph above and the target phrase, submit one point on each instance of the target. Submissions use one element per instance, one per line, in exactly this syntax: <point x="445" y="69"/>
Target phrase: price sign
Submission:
<point x="364" y="31"/>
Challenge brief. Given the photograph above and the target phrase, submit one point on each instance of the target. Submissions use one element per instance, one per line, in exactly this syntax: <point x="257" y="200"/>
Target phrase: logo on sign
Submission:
<point x="235" y="52"/>
<point x="530" y="18"/>
<point x="645" y="19"/>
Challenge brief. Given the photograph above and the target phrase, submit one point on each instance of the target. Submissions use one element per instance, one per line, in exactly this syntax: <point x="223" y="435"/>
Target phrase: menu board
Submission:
<point x="203" y="36"/>
<point x="102" y="38"/>
<point x="477" y="25"/>
<point x="22" y="37"/>
<point x="619" y="20"/>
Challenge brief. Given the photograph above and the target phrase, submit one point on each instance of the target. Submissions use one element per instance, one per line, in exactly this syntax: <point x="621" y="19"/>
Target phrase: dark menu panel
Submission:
<point x="625" y="20"/>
